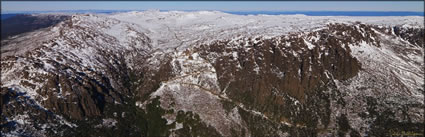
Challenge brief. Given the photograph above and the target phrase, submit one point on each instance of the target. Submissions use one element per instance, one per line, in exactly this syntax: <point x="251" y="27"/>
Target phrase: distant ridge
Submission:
<point x="331" y="13"/>
<point x="5" y="15"/>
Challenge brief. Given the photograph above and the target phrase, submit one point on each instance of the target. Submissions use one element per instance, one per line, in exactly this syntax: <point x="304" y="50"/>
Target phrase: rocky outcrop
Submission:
<point x="255" y="71"/>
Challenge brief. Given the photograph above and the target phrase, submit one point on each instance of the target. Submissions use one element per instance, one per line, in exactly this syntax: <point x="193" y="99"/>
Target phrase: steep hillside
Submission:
<point x="214" y="74"/>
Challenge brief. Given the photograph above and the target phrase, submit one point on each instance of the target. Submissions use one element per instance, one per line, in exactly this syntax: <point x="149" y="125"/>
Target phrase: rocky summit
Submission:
<point x="210" y="73"/>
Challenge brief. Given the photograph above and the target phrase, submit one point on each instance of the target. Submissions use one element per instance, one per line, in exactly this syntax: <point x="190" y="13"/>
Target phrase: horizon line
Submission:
<point x="86" y="10"/>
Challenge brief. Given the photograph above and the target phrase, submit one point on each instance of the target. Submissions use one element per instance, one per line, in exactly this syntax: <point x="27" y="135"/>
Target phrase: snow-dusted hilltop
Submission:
<point x="209" y="73"/>
<point x="186" y="28"/>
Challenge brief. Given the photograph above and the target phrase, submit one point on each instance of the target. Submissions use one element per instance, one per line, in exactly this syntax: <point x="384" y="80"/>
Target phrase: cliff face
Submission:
<point x="259" y="73"/>
<point x="98" y="75"/>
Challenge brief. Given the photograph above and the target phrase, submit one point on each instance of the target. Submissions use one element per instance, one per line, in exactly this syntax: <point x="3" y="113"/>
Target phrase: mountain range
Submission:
<point x="210" y="73"/>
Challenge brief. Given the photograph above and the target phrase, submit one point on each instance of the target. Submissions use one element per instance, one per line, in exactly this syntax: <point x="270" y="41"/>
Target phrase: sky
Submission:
<point x="19" y="6"/>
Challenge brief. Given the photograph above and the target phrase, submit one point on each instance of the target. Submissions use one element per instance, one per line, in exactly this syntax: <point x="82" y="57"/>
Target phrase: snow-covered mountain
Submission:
<point x="210" y="73"/>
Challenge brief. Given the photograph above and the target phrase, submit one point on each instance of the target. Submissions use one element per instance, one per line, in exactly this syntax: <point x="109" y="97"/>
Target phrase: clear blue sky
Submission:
<point x="13" y="6"/>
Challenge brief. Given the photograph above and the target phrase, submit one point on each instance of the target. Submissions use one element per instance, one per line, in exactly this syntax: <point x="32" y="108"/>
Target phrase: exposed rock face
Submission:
<point x="99" y="75"/>
<point x="256" y="72"/>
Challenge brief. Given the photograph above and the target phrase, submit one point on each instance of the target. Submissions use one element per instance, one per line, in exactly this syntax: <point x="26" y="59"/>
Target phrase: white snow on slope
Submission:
<point x="176" y="29"/>
<point x="385" y="61"/>
<point x="195" y="88"/>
